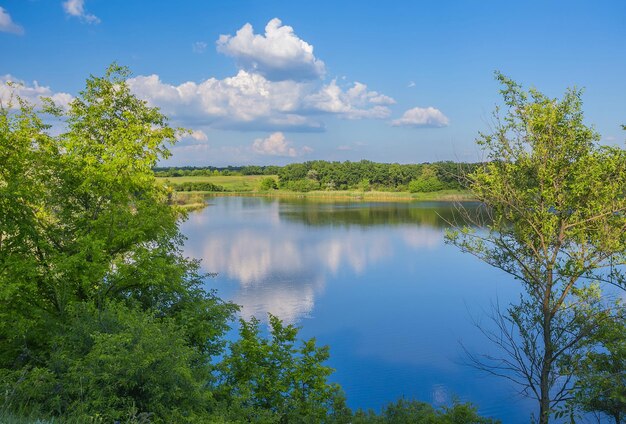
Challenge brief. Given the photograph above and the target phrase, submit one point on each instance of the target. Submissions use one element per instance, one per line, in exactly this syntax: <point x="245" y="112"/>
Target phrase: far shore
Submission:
<point x="194" y="200"/>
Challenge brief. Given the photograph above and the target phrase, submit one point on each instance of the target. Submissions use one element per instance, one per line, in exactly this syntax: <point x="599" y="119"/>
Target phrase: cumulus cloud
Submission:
<point x="197" y="135"/>
<point x="7" y="24"/>
<point x="354" y="103"/>
<point x="249" y="101"/>
<point x="246" y="101"/>
<point x="276" y="89"/>
<point x="275" y="145"/>
<point x="11" y="87"/>
<point x="76" y="8"/>
<point x="422" y="117"/>
<point x="278" y="55"/>
<point x="282" y="274"/>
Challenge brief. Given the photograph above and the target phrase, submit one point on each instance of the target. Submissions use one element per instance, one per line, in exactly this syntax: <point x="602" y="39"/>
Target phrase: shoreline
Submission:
<point x="190" y="200"/>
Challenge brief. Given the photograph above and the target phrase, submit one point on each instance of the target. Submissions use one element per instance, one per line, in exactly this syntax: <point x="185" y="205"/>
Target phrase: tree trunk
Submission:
<point x="546" y="368"/>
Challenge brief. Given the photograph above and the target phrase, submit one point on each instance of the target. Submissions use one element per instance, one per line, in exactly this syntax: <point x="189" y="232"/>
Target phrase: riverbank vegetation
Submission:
<point x="364" y="180"/>
<point x="102" y="318"/>
<point x="362" y="176"/>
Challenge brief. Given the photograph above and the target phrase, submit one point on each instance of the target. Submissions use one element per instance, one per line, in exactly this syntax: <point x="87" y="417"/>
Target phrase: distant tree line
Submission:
<point x="207" y="171"/>
<point x="363" y="175"/>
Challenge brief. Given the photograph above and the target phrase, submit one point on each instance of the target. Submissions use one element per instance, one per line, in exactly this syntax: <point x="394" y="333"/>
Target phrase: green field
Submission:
<point x="230" y="183"/>
<point x="247" y="185"/>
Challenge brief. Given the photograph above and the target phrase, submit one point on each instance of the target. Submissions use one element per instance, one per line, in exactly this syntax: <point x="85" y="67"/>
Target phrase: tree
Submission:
<point x="557" y="210"/>
<point x="91" y="268"/>
<point x="268" y="183"/>
<point x="272" y="380"/>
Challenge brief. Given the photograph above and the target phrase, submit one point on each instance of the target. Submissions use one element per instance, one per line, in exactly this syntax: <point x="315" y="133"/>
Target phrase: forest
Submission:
<point x="324" y="175"/>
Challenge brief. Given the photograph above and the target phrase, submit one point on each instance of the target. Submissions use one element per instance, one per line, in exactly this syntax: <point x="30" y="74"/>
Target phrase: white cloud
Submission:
<point x="275" y="145"/>
<point x="7" y="24"/>
<point x="10" y="86"/>
<point x="281" y="274"/>
<point x="199" y="47"/>
<point x="245" y="101"/>
<point x="199" y="135"/>
<point x="355" y="103"/>
<point x="411" y="84"/>
<point x="278" y="55"/>
<point x="249" y="101"/>
<point x="422" y="117"/>
<point x="76" y="8"/>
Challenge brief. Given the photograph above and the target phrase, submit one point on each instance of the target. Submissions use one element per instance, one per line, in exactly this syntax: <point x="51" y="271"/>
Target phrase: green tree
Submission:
<point x="268" y="183"/>
<point x="86" y="229"/>
<point x="272" y="380"/>
<point x="558" y="215"/>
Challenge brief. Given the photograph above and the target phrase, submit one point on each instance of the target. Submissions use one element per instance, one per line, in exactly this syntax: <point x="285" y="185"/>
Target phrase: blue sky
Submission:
<point x="273" y="82"/>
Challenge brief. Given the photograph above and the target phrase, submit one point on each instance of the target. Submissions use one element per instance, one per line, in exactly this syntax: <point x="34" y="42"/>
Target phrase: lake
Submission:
<point x="374" y="281"/>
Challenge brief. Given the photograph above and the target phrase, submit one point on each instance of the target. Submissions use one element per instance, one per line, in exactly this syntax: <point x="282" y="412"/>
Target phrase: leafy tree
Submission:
<point x="558" y="219"/>
<point x="364" y="185"/>
<point x="268" y="183"/>
<point x="272" y="380"/>
<point x="86" y="229"/>
<point x="425" y="185"/>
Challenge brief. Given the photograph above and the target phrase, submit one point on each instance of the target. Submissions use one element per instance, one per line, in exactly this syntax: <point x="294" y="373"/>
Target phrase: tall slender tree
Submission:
<point x="557" y="205"/>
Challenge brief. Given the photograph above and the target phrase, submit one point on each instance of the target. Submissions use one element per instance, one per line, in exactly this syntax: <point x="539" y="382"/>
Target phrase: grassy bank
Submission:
<point x="443" y="196"/>
<point x="248" y="185"/>
<point x="240" y="183"/>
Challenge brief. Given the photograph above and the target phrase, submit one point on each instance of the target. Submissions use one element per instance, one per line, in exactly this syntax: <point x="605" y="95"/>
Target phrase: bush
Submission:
<point x="268" y="183"/>
<point x="364" y="185"/>
<point x="425" y="185"/>
<point x="197" y="186"/>
<point x="303" y="185"/>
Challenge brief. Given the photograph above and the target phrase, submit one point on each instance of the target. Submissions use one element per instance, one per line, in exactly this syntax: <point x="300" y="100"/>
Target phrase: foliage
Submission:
<point x="268" y="183"/>
<point x="600" y="369"/>
<point x="303" y="185"/>
<point x="197" y="186"/>
<point x="364" y="185"/>
<point x="272" y="380"/>
<point x="344" y="175"/>
<point x="411" y="411"/>
<point x="94" y="290"/>
<point x="558" y="208"/>
<point x="425" y="185"/>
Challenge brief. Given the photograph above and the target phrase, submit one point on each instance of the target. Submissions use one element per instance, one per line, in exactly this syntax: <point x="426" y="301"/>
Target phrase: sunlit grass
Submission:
<point x="230" y="183"/>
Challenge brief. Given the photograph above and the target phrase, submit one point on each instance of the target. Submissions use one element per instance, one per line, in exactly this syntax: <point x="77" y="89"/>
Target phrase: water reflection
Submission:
<point x="280" y="266"/>
<point x="366" y="214"/>
<point x="375" y="281"/>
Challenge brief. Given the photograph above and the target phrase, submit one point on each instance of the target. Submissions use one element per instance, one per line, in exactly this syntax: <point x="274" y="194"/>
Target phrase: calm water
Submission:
<point x="375" y="281"/>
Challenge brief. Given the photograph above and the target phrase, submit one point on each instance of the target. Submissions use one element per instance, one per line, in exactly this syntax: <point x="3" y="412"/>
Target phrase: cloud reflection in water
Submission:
<point x="279" y="264"/>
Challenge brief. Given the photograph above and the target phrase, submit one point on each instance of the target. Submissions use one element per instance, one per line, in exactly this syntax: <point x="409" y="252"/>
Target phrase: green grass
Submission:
<point x="231" y="183"/>
<point x="444" y="195"/>
<point x="247" y="185"/>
